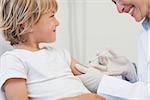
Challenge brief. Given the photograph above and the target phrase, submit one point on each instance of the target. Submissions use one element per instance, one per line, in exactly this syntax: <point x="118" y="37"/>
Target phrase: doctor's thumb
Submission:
<point x="81" y="68"/>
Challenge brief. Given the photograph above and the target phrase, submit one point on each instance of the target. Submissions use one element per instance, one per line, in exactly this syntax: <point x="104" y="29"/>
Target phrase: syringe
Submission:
<point x="93" y="59"/>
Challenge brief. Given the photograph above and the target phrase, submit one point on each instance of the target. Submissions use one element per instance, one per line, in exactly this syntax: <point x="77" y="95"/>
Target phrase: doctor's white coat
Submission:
<point x="140" y="90"/>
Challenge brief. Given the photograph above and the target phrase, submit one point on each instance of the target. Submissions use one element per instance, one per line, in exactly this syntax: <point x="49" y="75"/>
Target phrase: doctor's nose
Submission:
<point x="120" y="8"/>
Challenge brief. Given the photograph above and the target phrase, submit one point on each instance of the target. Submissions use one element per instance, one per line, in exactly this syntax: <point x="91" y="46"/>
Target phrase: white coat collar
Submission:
<point x="146" y="23"/>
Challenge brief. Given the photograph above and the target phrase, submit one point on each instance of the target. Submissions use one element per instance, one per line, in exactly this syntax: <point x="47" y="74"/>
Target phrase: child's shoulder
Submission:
<point x="60" y="51"/>
<point x="15" y="53"/>
<point x="9" y="53"/>
<point x="55" y="49"/>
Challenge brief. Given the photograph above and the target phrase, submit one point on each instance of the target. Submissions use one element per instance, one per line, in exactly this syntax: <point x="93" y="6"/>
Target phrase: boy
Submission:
<point x="31" y="72"/>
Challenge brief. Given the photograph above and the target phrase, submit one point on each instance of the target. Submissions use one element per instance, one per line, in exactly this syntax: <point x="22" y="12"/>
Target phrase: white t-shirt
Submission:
<point x="47" y="72"/>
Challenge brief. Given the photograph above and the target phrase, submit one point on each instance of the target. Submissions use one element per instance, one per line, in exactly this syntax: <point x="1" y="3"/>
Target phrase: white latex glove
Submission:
<point x="118" y="65"/>
<point x="91" y="77"/>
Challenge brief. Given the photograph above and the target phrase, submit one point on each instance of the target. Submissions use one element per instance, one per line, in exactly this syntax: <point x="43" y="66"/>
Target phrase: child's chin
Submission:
<point x="51" y="41"/>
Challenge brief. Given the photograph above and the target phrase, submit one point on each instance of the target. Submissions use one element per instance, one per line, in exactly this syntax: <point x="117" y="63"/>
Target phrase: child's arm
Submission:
<point x="15" y="89"/>
<point x="87" y="96"/>
<point x="74" y="70"/>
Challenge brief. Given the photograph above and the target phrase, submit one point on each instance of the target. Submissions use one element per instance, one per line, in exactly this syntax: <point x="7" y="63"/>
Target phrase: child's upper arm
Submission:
<point x="12" y="76"/>
<point x="15" y="89"/>
<point x="73" y="63"/>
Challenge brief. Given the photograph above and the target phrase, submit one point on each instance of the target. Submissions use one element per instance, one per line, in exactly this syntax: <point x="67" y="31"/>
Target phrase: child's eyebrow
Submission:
<point x="50" y="12"/>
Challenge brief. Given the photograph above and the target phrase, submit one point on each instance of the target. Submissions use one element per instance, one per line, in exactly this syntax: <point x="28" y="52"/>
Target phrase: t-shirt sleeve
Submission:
<point x="67" y="56"/>
<point x="11" y="67"/>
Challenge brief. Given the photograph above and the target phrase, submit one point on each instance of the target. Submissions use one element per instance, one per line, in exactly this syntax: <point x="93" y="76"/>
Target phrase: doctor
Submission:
<point x="108" y="85"/>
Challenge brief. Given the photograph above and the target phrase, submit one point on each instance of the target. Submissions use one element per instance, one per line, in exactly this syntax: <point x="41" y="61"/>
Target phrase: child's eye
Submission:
<point x="52" y="16"/>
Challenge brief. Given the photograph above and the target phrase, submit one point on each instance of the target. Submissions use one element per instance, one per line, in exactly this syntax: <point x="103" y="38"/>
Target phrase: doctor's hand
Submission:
<point x="118" y="65"/>
<point x="90" y="76"/>
<point x="107" y="56"/>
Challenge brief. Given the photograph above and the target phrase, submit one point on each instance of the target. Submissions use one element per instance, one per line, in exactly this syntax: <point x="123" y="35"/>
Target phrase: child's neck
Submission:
<point x="28" y="46"/>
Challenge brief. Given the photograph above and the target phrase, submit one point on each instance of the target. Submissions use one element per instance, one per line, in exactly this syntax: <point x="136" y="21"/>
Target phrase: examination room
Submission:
<point x="74" y="50"/>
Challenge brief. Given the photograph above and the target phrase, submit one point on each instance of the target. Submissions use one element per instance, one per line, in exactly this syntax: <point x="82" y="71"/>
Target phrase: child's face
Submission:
<point x="45" y="29"/>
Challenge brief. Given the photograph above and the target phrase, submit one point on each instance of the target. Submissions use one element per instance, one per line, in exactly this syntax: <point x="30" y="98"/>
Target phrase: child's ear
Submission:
<point x="25" y="25"/>
<point x="30" y="29"/>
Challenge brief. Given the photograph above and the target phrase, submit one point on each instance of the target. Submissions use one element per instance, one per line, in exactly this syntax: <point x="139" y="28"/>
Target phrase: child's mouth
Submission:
<point x="54" y="30"/>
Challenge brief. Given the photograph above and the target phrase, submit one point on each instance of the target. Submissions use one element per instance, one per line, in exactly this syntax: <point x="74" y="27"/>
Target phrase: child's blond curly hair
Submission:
<point x="14" y="13"/>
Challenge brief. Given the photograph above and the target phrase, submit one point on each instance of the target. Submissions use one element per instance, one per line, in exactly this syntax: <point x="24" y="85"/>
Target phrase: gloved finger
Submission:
<point x="99" y="67"/>
<point x="103" y="60"/>
<point x="105" y="55"/>
<point x="120" y="60"/>
<point x="112" y="53"/>
<point x="81" y="68"/>
<point x="115" y="72"/>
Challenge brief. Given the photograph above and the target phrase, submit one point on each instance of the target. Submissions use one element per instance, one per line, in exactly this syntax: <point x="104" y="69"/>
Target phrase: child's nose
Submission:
<point x="57" y="22"/>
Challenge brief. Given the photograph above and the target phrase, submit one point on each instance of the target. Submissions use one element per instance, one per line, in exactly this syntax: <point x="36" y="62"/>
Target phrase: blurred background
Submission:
<point x="87" y="26"/>
<point x="90" y="25"/>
